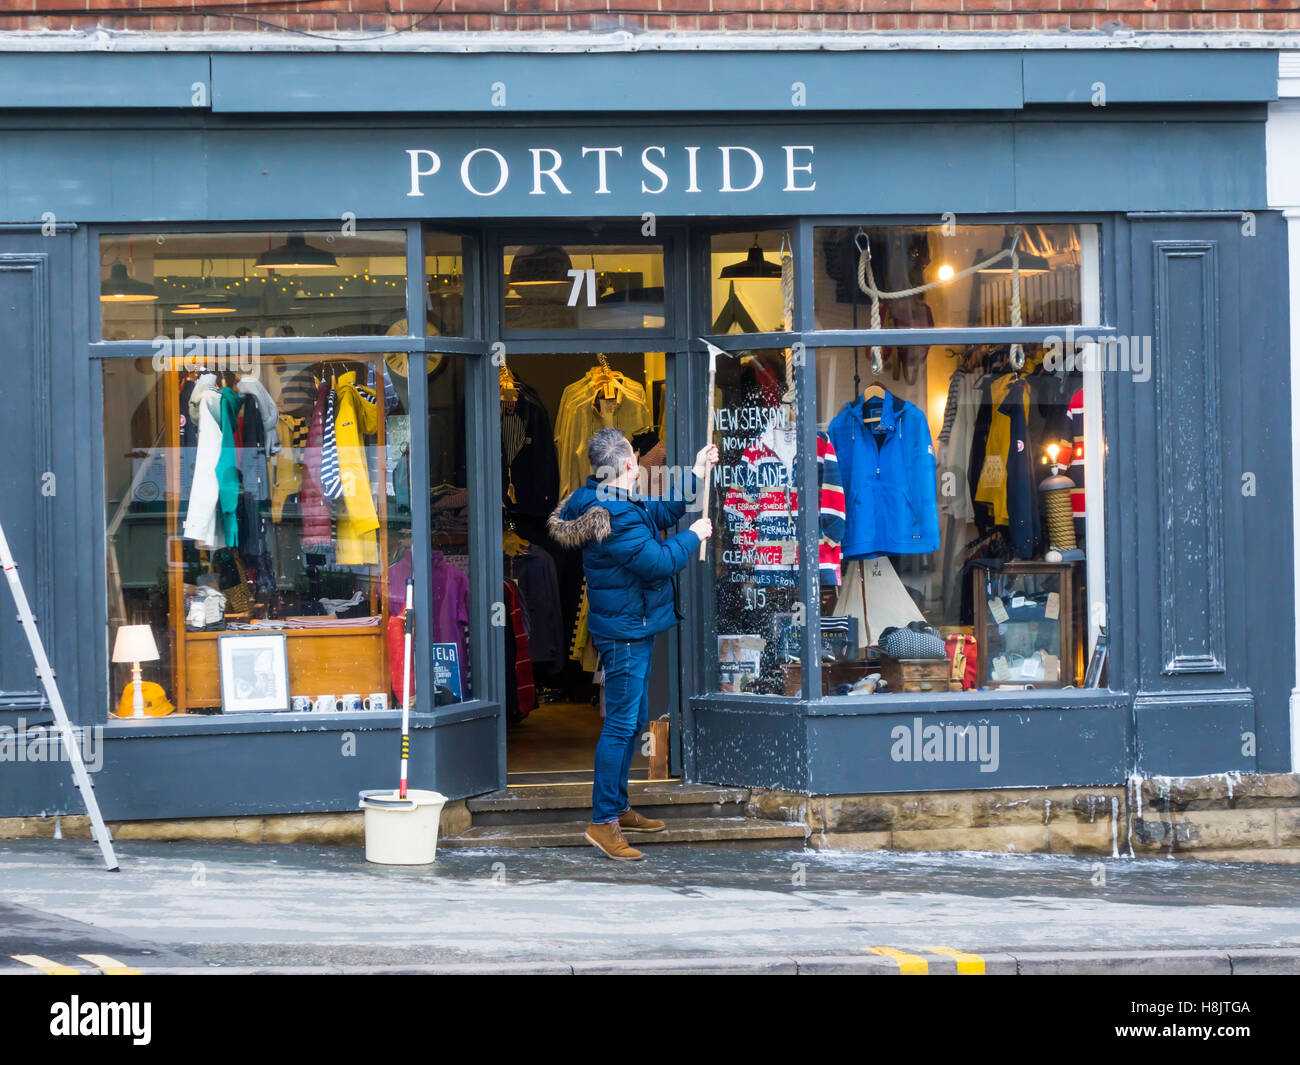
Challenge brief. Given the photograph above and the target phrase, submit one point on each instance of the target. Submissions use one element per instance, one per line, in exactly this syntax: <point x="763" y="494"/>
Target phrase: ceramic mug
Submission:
<point x="325" y="704"/>
<point x="377" y="701"/>
<point x="350" y="703"/>
<point x="301" y="704"/>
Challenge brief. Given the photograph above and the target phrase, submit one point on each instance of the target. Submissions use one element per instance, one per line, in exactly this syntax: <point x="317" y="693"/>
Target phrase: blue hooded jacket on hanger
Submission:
<point x="888" y="469"/>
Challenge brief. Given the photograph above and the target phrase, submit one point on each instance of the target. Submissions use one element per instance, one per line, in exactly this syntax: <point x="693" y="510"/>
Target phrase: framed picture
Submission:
<point x="254" y="673"/>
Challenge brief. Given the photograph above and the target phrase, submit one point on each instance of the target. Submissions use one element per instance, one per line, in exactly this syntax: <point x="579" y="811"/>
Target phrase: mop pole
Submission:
<point x="408" y="626"/>
<point x="714" y="352"/>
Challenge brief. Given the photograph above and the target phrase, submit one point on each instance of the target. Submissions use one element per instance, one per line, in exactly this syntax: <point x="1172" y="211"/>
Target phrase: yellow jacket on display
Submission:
<point x="356" y="418"/>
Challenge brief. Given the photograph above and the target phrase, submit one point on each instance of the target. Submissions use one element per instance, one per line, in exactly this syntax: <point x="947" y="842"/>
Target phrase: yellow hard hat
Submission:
<point x="155" y="701"/>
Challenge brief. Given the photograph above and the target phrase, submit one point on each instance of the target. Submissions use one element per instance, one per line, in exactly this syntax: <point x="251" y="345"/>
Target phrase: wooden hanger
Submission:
<point x="509" y="389"/>
<point x="872" y="391"/>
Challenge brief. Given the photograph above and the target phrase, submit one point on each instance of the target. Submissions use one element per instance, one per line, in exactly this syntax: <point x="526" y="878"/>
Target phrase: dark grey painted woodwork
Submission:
<point x="1206" y="631"/>
<point x="1007" y="748"/>
<point x="1194" y="733"/>
<point x="1190" y="547"/>
<point x="25" y="495"/>
<point x="749" y="744"/>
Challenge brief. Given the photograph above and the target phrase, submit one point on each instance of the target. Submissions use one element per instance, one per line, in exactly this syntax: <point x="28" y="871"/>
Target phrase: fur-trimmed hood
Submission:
<point x="591" y="525"/>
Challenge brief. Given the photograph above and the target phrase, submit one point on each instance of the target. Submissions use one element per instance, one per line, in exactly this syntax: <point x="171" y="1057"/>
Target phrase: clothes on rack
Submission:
<point x="201" y="516"/>
<point x="530" y="472"/>
<point x="585" y="408"/>
<point x="533" y="572"/>
<point x="287" y="462"/>
<point x="889" y="473"/>
<point x="734" y="316"/>
<point x="1078" y="500"/>
<point x="521" y="693"/>
<point x="317" y="529"/>
<point x="211" y="517"/>
<point x="358" y="520"/>
<point x="955" y="438"/>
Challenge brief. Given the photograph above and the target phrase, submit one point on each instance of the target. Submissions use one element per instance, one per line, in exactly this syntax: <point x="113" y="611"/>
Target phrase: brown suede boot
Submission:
<point x="631" y="821"/>
<point x="608" y="839"/>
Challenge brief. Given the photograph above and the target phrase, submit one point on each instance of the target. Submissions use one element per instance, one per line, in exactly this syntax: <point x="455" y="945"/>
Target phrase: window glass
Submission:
<point x="754" y="505"/>
<point x="449" y="526"/>
<point x="445" y="255"/>
<point x="252" y="284"/>
<point x="597" y="286"/>
<point x="751" y="277"/>
<point x="963" y="498"/>
<point x="963" y="274"/>
<point x="249" y="505"/>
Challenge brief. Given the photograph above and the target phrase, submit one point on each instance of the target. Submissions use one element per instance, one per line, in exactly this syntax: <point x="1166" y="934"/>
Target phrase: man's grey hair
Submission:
<point x="607" y="450"/>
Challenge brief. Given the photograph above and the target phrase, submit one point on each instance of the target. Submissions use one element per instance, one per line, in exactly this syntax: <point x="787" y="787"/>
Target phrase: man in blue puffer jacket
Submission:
<point x="631" y="596"/>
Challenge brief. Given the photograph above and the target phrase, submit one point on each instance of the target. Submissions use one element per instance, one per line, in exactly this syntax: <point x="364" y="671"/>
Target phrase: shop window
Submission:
<point x="612" y="288"/>
<point x="754" y="504"/>
<point x="952" y="276"/>
<point x="449" y="566"/>
<point x="751" y="278"/>
<point x="270" y="505"/>
<point x="961" y="554"/>
<point x="445" y="256"/>
<point x="279" y="284"/>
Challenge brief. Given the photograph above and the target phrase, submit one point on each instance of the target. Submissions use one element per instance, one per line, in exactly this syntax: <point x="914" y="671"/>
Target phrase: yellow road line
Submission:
<point x="49" y="968"/>
<point x="908" y="964"/>
<point x="967" y="964"/>
<point x="109" y="966"/>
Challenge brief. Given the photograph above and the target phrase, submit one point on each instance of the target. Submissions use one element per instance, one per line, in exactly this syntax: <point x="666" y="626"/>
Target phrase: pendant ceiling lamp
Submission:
<point x="296" y="254"/>
<point x="547" y="264"/>
<point x="752" y="267"/>
<point x="198" y="301"/>
<point x="121" y="287"/>
<point x="1029" y="264"/>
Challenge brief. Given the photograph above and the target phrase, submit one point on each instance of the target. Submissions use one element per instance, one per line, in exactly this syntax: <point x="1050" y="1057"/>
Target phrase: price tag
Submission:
<point x="1001" y="671"/>
<point x="1053" y="609"/>
<point x="998" y="610"/>
<point x="1031" y="668"/>
<point x="1017" y="601"/>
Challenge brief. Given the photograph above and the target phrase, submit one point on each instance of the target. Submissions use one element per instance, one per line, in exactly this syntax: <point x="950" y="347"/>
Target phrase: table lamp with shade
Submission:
<point x="135" y="644"/>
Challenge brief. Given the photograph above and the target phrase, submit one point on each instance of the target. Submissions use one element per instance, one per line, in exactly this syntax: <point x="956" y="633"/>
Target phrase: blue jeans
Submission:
<point x="627" y="711"/>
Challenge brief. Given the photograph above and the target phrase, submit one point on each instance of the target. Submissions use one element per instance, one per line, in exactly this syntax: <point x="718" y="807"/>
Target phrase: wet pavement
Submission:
<point x="243" y="904"/>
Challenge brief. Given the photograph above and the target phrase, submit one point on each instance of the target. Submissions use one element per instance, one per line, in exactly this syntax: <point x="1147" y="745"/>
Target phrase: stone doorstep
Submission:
<point x="549" y="803"/>
<point x="716" y="831"/>
<point x="642" y="794"/>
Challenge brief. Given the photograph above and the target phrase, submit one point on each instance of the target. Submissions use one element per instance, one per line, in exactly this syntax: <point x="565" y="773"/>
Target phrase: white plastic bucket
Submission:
<point x="402" y="835"/>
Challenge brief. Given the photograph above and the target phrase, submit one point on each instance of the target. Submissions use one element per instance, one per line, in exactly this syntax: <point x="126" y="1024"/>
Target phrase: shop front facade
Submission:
<point x="996" y="368"/>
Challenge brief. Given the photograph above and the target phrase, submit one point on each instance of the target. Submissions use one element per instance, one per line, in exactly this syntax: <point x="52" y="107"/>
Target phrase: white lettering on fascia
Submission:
<point x="603" y="188"/>
<point x="791" y="167"/>
<point x="551" y="172"/>
<point x="501" y="162"/>
<point x="726" y="168"/>
<point x="657" y="164"/>
<point x="654" y="168"/>
<point x="416" y="172"/>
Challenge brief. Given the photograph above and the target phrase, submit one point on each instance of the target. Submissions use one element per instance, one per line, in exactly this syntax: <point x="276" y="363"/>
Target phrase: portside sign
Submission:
<point x="607" y="169"/>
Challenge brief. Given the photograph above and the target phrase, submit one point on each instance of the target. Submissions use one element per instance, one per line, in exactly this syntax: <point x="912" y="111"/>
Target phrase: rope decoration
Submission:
<point x="787" y="304"/>
<point x="867" y="283"/>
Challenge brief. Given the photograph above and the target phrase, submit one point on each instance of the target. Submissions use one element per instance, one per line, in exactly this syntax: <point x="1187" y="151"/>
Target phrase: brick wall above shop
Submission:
<point x="378" y="16"/>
